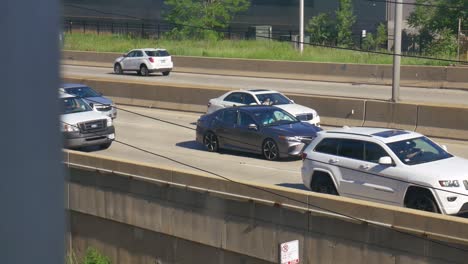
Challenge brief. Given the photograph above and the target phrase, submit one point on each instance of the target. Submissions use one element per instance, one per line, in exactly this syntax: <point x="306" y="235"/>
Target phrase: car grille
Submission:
<point x="103" y="108"/>
<point x="305" y="117"/>
<point x="93" y="126"/>
<point x="465" y="182"/>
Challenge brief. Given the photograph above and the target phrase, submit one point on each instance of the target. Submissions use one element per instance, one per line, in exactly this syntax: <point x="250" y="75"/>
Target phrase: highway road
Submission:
<point x="179" y="143"/>
<point x="408" y="94"/>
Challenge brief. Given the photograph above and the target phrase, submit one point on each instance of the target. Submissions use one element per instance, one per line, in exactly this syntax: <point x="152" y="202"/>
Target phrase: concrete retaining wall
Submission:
<point x="437" y="121"/>
<point x="135" y="220"/>
<point x="417" y="76"/>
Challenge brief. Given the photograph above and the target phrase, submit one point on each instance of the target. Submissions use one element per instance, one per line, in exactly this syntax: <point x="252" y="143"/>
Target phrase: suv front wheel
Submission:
<point x="421" y="199"/>
<point x="322" y="183"/>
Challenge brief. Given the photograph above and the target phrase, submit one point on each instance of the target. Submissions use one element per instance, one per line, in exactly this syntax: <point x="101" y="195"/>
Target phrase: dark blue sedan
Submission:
<point x="265" y="130"/>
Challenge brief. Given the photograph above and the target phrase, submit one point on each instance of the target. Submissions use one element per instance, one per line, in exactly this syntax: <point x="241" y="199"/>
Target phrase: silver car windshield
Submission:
<point x="74" y="105"/>
<point x="418" y="150"/>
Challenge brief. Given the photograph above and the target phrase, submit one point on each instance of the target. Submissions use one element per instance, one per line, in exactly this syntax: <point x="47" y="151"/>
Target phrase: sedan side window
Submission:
<point x="245" y="119"/>
<point x="230" y="117"/>
<point x="248" y="99"/>
<point x="374" y="152"/>
<point x="235" y="98"/>
<point x="328" y="146"/>
<point x="353" y="149"/>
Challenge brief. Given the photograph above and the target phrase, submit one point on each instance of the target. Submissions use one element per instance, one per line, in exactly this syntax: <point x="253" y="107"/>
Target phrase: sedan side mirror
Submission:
<point x="253" y="127"/>
<point x="124" y="55"/>
<point x="385" y="161"/>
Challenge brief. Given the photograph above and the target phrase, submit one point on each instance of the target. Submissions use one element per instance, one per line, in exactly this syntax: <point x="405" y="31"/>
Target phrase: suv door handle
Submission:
<point x="365" y="166"/>
<point x="333" y="160"/>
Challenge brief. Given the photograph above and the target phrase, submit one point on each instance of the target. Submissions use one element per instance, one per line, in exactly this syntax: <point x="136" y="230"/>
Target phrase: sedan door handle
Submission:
<point x="333" y="160"/>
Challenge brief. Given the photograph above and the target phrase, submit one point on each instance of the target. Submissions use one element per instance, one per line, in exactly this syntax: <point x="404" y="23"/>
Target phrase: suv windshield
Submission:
<point x="273" y="99"/>
<point x="157" y="53"/>
<point x="74" y="105"/>
<point x="274" y="117"/>
<point x="418" y="150"/>
<point x="84" y="92"/>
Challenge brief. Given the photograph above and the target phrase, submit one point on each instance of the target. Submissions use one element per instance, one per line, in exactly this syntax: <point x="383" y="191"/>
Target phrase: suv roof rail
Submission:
<point x="348" y="133"/>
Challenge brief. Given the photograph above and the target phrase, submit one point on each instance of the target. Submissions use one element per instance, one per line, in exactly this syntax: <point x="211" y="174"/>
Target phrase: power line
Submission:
<point x="424" y="238"/>
<point x="416" y="4"/>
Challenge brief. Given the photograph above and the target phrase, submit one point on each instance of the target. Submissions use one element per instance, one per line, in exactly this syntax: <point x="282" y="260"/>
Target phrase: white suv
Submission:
<point x="389" y="166"/>
<point x="144" y="62"/>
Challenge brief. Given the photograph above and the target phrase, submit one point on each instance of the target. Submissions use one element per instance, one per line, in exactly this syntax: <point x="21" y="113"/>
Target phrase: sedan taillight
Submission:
<point x="151" y="59"/>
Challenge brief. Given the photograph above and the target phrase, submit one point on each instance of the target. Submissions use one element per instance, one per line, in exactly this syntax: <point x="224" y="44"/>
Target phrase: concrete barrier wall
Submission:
<point x="418" y="76"/>
<point x="437" y="121"/>
<point x="241" y="228"/>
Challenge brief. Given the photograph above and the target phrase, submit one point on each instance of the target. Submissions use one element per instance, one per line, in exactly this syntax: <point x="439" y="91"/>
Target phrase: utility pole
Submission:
<point x="458" y="39"/>
<point x="301" y="25"/>
<point x="397" y="51"/>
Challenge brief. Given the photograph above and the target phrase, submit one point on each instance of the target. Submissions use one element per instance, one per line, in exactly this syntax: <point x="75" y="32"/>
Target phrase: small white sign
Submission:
<point x="364" y="33"/>
<point x="289" y="252"/>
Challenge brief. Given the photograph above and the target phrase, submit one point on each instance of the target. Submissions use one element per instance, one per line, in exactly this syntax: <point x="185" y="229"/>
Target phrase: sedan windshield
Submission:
<point x="273" y="99"/>
<point x="274" y="117"/>
<point x="74" y="105"/>
<point x="418" y="150"/>
<point x="84" y="92"/>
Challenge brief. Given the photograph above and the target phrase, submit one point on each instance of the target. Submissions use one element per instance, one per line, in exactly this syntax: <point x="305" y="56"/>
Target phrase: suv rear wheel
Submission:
<point x="166" y="73"/>
<point x="322" y="183"/>
<point x="144" y="70"/>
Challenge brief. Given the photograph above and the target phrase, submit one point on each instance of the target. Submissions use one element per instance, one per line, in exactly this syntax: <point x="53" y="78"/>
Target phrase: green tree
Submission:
<point x="345" y="20"/>
<point x="321" y="29"/>
<point x="381" y="36"/>
<point x="438" y="24"/>
<point x="202" y="19"/>
<point x="94" y="257"/>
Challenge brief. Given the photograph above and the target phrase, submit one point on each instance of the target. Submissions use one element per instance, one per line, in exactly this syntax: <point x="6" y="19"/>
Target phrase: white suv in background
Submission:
<point x="264" y="97"/>
<point x="395" y="167"/>
<point x="144" y="62"/>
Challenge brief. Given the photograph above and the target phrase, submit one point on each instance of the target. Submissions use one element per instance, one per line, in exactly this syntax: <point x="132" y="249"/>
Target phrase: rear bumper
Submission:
<point x="78" y="139"/>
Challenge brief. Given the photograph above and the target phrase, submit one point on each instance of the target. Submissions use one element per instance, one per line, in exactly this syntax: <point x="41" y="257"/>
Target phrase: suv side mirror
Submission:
<point x="124" y="55"/>
<point x="253" y="127"/>
<point x="444" y="147"/>
<point x="292" y="101"/>
<point x="385" y="161"/>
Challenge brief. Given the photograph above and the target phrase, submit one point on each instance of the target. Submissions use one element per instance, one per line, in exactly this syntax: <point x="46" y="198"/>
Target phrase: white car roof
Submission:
<point x="149" y="49"/>
<point x="256" y="91"/>
<point x="386" y="135"/>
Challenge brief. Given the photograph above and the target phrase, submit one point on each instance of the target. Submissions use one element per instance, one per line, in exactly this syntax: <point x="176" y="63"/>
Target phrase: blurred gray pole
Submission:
<point x="32" y="188"/>
<point x="397" y="51"/>
<point x="458" y="39"/>
<point x="301" y="25"/>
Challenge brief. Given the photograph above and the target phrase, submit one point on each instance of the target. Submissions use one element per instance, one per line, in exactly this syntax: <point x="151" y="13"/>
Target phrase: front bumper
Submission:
<point x="290" y="148"/>
<point x="78" y="139"/>
<point x="459" y="205"/>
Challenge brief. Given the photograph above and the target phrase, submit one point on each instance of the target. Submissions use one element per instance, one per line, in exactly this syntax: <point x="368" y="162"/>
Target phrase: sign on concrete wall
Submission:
<point x="289" y="252"/>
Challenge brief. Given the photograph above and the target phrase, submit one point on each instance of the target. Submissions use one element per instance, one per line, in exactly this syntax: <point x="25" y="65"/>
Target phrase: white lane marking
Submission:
<point x="269" y="168"/>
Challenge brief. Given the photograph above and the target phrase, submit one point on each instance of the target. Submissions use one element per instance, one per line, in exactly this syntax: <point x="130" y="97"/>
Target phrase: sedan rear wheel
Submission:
<point x="166" y="73"/>
<point x="211" y="142"/>
<point x="270" y="150"/>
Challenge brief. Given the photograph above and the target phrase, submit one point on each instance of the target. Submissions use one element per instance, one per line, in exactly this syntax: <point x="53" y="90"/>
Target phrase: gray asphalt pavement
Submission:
<point x="408" y="94"/>
<point x="179" y="143"/>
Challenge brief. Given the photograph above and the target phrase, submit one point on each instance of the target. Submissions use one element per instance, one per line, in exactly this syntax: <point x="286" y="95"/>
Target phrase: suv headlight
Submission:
<point x="449" y="183"/>
<point x="109" y="122"/>
<point x="69" y="128"/>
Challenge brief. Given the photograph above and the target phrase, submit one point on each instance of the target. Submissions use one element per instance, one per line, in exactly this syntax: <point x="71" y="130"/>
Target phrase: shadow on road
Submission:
<point x="192" y="144"/>
<point x="299" y="186"/>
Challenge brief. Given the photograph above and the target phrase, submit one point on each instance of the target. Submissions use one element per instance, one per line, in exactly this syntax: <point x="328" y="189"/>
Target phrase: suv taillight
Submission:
<point x="151" y="59"/>
<point x="303" y="155"/>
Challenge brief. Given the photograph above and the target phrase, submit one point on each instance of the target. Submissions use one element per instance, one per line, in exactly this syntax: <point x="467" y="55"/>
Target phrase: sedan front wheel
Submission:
<point x="210" y="140"/>
<point x="270" y="150"/>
